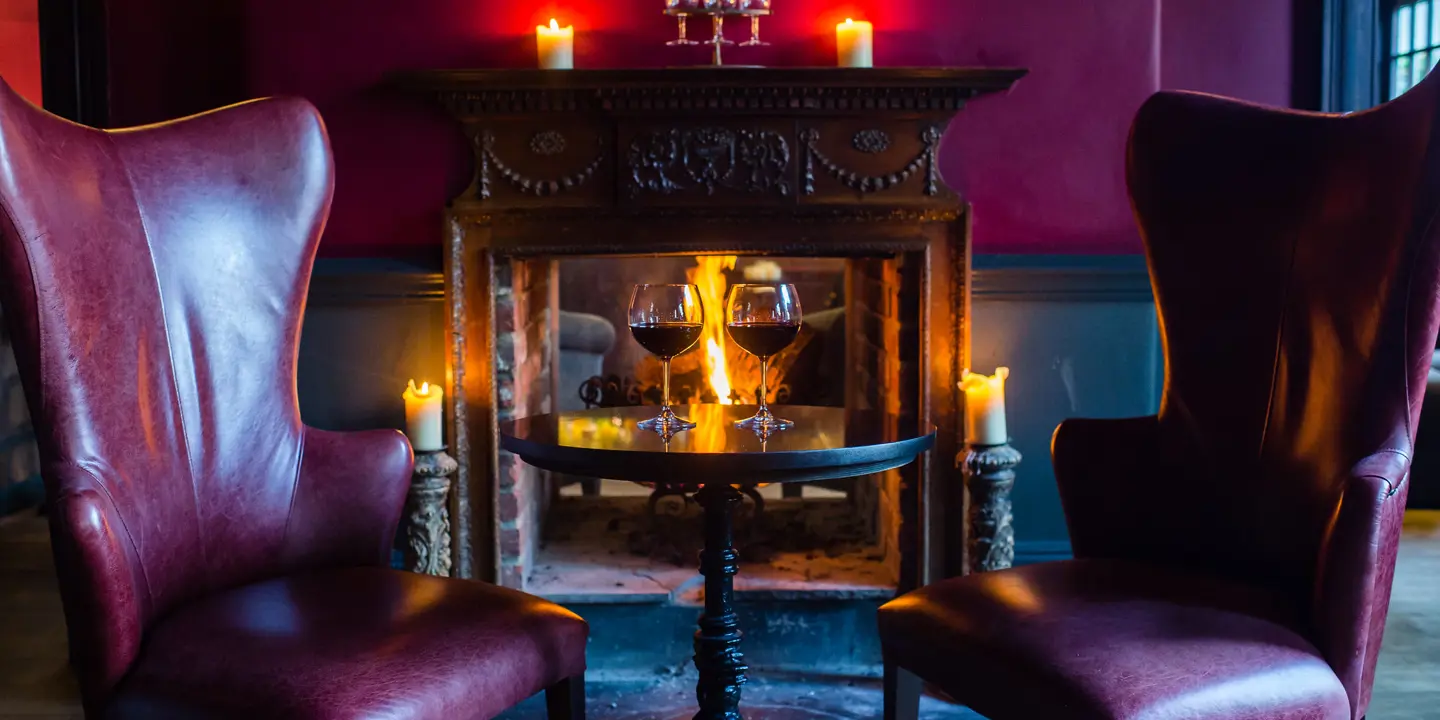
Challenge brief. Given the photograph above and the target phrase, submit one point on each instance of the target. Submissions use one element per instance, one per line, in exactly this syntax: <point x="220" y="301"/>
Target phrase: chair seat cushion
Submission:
<point x="349" y="644"/>
<point x="1110" y="640"/>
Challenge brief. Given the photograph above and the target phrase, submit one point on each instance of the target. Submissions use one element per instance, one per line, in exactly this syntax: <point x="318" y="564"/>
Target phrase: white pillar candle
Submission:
<point x="985" y="407"/>
<point x="854" y="44"/>
<point x="555" y="46"/>
<point x="424" y="413"/>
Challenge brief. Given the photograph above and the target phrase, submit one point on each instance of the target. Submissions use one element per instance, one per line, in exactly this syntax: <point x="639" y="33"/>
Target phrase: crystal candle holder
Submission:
<point x="717" y="11"/>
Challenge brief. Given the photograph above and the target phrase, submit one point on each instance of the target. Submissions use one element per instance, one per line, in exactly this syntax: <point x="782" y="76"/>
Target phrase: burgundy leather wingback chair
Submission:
<point x="216" y="557"/>
<point x="1234" y="553"/>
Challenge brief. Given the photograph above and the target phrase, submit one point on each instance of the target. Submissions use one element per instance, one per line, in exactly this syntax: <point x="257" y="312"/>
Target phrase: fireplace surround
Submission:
<point x="802" y="162"/>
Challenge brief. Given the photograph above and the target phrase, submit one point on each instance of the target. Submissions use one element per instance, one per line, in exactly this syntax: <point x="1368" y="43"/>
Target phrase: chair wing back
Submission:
<point x="154" y="280"/>
<point x="1296" y="269"/>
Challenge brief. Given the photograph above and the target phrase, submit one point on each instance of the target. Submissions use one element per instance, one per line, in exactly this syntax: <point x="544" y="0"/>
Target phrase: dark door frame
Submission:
<point x="74" y="72"/>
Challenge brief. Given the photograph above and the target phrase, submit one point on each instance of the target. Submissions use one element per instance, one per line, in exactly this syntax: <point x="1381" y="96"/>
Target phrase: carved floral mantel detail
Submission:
<point x="668" y="161"/>
<point x="547" y="142"/>
<point x="865" y="184"/>
<point x="873" y="141"/>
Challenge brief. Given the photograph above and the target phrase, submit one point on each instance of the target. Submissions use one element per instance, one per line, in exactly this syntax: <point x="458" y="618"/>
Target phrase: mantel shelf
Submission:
<point x="473" y="93"/>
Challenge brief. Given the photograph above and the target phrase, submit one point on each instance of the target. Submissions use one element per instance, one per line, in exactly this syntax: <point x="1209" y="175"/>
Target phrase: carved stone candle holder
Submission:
<point x="990" y="476"/>
<point x="427" y="514"/>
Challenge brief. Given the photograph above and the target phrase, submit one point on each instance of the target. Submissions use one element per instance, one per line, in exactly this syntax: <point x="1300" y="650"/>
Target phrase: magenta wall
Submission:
<point x="1043" y="166"/>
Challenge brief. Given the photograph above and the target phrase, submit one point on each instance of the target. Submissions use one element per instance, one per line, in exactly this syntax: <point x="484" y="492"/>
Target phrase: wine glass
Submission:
<point x="763" y="319"/>
<point x="666" y="320"/>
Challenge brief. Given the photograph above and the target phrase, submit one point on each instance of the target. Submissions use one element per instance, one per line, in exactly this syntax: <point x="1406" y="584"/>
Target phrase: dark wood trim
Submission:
<point x="74" y="67"/>
<point x="1029" y="552"/>
<point x="376" y="287"/>
<point x="1061" y="278"/>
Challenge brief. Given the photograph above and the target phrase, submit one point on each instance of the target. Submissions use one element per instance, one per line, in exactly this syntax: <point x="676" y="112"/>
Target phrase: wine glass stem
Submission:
<point x="764" y="393"/>
<point x="665" y="385"/>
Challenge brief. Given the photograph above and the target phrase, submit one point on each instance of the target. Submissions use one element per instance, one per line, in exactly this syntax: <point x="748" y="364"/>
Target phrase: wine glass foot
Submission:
<point x="667" y="423"/>
<point x="674" y="43"/>
<point x="763" y="423"/>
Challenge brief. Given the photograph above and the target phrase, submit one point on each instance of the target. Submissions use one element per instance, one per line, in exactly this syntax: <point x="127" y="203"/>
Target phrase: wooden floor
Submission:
<point x="35" y="683"/>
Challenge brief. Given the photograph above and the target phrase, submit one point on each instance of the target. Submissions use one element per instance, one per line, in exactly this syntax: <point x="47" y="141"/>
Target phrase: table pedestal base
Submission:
<point x="717" y="643"/>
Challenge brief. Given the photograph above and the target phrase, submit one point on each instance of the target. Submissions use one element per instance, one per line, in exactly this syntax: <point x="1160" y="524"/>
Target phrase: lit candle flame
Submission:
<point x="422" y="391"/>
<point x="554" y="25"/>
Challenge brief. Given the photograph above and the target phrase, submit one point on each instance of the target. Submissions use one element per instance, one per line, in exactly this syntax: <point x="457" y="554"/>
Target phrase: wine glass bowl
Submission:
<point x="666" y="320"/>
<point x="763" y="319"/>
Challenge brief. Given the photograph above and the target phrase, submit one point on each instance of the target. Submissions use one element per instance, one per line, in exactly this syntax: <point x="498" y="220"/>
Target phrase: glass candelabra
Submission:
<point x="717" y="11"/>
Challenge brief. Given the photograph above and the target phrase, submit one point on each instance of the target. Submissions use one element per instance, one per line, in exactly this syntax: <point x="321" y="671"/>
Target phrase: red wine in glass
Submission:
<point x="666" y="339"/>
<point x="765" y="339"/>
<point x="763" y="320"/>
<point x="666" y="320"/>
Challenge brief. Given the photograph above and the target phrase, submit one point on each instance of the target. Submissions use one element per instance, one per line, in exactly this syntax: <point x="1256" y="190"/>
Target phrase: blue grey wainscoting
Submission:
<point x="1080" y="337"/>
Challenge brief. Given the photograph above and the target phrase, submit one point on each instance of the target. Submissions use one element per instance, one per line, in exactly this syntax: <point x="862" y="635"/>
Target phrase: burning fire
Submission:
<point x="709" y="276"/>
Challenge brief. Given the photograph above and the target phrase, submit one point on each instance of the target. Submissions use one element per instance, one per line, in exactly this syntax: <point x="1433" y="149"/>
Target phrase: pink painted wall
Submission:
<point x="1239" y="48"/>
<point x="1043" y="166"/>
<point x="20" y="47"/>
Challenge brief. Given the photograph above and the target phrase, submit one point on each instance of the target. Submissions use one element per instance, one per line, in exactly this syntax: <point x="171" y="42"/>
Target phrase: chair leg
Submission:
<point x="902" y="693"/>
<point x="565" y="700"/>
<point x="590" y="487"/>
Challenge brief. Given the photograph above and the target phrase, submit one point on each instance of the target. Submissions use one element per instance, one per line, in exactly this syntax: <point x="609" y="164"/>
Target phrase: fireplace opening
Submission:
<point x="565" y="345"/>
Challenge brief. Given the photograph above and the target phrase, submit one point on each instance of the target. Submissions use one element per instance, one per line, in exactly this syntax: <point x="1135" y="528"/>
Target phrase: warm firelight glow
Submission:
<point x="708" y="435"/>
<point x="709" y="276"/>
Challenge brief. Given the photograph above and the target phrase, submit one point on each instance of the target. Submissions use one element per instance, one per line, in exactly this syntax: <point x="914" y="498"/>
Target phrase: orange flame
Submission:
<point x="708" y="275"/>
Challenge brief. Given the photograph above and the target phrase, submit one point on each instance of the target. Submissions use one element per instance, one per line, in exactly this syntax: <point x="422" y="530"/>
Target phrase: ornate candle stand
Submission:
<point x="990" y="476"/>
<point x="427" y="514"/>
<point x="717" y="11"/>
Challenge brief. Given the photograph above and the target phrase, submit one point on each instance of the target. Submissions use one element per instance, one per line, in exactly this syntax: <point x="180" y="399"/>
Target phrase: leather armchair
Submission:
<point x="1234" y="553"/>
<point x="216" y="557"/>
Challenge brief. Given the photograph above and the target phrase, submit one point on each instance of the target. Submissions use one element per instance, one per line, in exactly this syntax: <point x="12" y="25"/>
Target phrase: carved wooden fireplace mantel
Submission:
<point x="802" y="161"/>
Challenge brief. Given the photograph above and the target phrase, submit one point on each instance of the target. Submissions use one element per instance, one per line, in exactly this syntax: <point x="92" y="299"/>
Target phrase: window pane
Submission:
<point x="1434" y="24"/>
<point x="1402" y="75"/>
<point x="1422" y="25"/>
<point x="1418" y="67"/>
<point x="1403" y="30"/>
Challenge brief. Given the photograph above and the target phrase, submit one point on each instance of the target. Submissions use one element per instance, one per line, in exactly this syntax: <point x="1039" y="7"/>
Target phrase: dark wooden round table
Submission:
<point x="713" y="460"/>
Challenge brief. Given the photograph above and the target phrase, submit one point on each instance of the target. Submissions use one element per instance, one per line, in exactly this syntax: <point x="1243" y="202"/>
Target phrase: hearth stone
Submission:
<point x="606" y="550"/>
